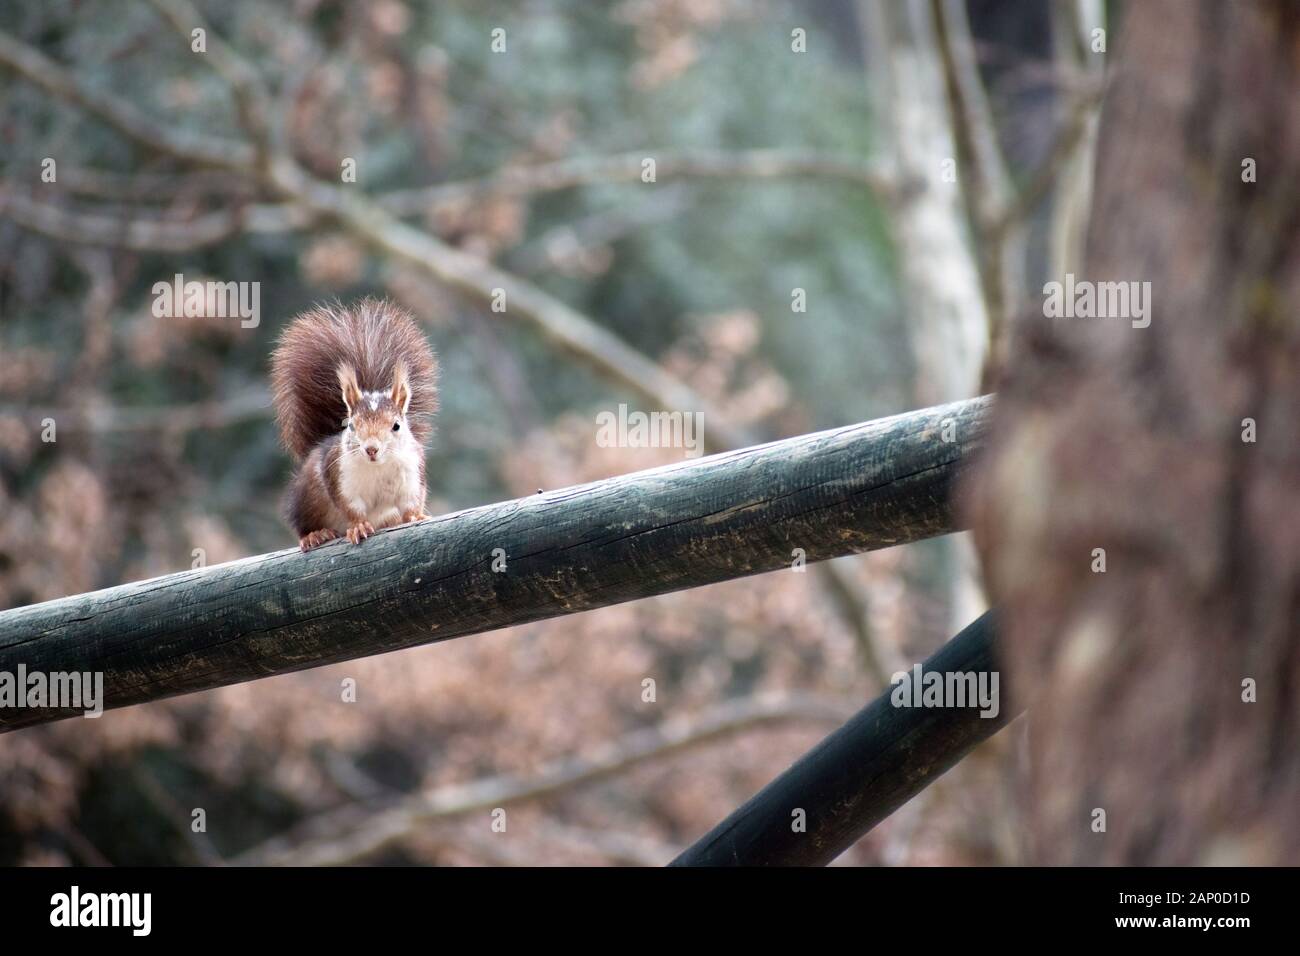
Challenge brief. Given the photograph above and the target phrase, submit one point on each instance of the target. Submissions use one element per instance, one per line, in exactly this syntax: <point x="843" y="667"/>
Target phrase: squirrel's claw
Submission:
<point x="316" y="538"/>
<point x="360" y="531"/>
<point x="409" y="516"/>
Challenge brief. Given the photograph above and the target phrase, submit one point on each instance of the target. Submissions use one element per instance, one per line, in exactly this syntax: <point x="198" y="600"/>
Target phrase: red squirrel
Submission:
<point x="355" y="389"/>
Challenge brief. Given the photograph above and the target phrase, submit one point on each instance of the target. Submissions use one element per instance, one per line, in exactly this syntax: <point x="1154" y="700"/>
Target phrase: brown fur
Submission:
<point x="374" y="337"/>
<point x="314" y="487"/>
<point x="325" y="361"/>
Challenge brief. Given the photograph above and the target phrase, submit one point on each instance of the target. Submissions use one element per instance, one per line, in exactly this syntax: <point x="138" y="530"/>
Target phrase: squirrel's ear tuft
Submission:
<point x="401" y="394"/>
<point x="348" y="384"/>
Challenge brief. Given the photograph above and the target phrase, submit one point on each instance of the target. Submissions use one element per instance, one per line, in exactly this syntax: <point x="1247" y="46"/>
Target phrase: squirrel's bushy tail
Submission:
<point x="372" y="336"/>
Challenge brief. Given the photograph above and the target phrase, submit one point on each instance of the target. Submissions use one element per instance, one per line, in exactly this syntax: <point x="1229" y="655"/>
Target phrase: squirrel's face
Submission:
<point x="376" y="425"/>
<point x="374" y="429"/>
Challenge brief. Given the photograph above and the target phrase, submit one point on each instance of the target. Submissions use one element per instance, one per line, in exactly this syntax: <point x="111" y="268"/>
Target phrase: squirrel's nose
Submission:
<point x="372" y="451"/>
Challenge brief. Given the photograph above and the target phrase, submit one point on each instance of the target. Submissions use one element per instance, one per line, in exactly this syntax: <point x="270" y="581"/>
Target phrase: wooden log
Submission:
<point x="861" y="773"/>
<point x="697" y="522"/>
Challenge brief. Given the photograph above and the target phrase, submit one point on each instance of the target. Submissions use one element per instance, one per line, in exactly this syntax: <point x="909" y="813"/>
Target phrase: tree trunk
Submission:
<point x="1138" y="440"/>
<point x="947" y="322"/>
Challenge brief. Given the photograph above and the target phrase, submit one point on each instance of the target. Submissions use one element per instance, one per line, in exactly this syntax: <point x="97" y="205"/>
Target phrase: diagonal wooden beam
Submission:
<point x="864" y="771"/>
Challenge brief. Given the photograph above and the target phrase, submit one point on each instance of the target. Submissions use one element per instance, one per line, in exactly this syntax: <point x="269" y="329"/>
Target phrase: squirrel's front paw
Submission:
<point x="409" y="516"/>
<point x="360" y="531"/>
<point x="316" y="539"/>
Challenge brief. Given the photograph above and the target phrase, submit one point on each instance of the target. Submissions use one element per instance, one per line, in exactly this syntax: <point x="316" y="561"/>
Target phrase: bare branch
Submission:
<point x="521" y="181"/>
<point x="628" y="168"/>
<point x="972" y="115"/>
<point x="1068" y="139"/>
<point x="355" y="832"/>
<point x="615" y="847"/>
<point x="562" y="325"/>
<point x="1072" y="24"/>
<point x="205" y="852"/>
<point x="137" y="233"/>
<point x="252" y="103"/>
<point x="569" y="244"/>
<point x="148" y="186"/>
<point x="849" y="598"/>
<point x="1000" y="256"/>
<point x="150" y="232"/>
<point x="246" y="405"/>
<point x="35" y="67"/>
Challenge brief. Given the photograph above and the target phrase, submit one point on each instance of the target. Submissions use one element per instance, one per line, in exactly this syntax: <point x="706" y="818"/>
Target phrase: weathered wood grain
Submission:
<point x="742" y="512"/>
<point x="861" y="773"/>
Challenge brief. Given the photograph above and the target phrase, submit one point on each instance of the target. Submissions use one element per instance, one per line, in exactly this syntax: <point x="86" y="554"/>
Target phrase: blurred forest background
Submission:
<point x="779" y="169"/>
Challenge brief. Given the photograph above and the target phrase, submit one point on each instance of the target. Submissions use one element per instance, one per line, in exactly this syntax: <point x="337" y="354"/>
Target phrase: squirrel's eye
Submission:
<point x="397" y="426"/>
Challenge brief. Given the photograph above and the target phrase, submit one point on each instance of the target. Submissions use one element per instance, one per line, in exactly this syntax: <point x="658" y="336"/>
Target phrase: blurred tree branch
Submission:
<point x="145" y="186"/>
<point x="1081" y="113"/>
<point x="349" y="834"/>
<point x="613" y="846"/>
<point x="133" y="232"/>
<point x="246" y="405"/>
<point x="120" y="115"/>
<point x="252" y="102"/>
<point x="560" y="324"/>
<point x="568" y="246"/>
<point x="988" y="193"/>
<point x="583" y="842"/>
<point x="999" y="210"/>
<point x="178" y="817"/>
<point x="1072" y="24"/>
<point x="627" y="168"/>
<point x="512" y="181"/>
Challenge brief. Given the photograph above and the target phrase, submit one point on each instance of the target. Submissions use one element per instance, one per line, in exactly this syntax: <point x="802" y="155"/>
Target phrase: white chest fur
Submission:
<point x="382" y="490"/>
